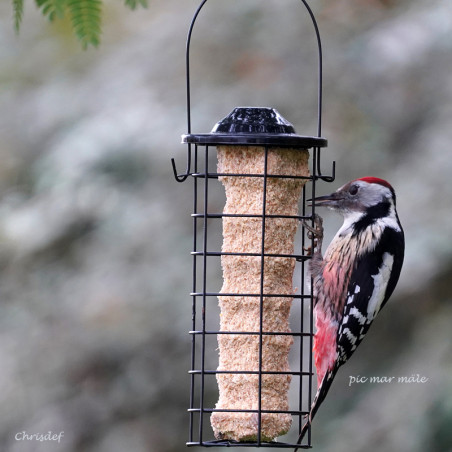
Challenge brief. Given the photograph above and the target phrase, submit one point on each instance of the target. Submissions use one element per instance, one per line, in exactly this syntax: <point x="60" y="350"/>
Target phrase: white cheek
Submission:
<point x="349" y="220"/>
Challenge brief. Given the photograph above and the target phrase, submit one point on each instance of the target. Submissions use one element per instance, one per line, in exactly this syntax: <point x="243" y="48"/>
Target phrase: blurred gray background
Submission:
<point x="95" y="233"/>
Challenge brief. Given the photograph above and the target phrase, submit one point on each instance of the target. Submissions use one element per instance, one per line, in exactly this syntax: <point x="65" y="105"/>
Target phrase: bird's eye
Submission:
<point x="353" y="190"/>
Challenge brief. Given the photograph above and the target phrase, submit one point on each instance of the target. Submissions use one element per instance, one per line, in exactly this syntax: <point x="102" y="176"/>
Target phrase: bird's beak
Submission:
<point x="327" y="200"/>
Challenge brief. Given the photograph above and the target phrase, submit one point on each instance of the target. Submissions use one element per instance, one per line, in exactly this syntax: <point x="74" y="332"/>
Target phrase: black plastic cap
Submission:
<point x="253" y="120"/>
<point x="255" y="126"/>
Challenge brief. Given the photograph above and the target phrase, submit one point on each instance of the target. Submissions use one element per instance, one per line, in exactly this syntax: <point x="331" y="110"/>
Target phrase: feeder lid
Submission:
<point x="258" y="126"/>
<point x="253" y="120"/>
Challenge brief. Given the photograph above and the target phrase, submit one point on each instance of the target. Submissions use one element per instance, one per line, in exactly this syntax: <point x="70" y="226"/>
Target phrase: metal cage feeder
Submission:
<point x="267" y="173"/>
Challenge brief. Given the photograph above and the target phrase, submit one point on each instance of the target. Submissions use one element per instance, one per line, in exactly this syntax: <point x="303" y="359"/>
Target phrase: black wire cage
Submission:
<point x="267" y="133"/>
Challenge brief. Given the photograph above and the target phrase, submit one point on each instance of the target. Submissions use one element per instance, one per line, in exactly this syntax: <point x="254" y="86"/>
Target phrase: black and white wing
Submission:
<point x="371" y="283"/>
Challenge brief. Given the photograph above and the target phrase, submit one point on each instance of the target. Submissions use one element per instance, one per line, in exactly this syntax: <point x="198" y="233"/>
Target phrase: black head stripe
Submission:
<point x="380" y="210"/>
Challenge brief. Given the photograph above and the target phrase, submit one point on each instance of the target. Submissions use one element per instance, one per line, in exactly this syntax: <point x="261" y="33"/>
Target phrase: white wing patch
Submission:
<point x="355" y="312"/>
<point x="351" y="337"/>
<point x="351" y="297"/>
<point x="380" y="283"/>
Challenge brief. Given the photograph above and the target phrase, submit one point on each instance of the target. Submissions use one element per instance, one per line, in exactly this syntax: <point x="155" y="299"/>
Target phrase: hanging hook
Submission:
<point x="182" y="177"/>
<point x="319" y="171"/>
<point x="320" y="98"/>
<point x="320" y="68"/>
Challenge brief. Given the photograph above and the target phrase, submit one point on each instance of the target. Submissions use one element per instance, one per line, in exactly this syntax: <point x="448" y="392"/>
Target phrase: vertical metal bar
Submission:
<point x="204" y="291"/>
<point x="316" y="152"/>
<point x="193" y="312"/>
<point x="194" y="298"/>
<point x="261" y="300"/>
<point x="302" y="320"/>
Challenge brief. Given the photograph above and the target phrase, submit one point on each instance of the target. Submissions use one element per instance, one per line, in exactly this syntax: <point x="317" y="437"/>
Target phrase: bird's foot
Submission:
<point x="314" y="232"/>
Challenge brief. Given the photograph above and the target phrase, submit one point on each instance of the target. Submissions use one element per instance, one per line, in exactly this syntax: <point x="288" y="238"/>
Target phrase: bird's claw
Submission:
<point x="315" y="233"/>
<point x="308" y="250"/>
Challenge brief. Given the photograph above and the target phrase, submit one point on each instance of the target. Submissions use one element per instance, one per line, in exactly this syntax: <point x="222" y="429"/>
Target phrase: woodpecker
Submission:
<point x="356" y="276"/>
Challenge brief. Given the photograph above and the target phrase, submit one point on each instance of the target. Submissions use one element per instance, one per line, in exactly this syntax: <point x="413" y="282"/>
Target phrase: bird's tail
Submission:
<point x="322" y="391"/>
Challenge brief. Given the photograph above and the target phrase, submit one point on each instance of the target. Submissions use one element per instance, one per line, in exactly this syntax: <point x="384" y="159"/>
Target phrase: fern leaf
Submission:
<point x="132" y="4"/>
<point x="18" y="6"/>
<point x="86" y="20"/>
<point x="52" y="9"/>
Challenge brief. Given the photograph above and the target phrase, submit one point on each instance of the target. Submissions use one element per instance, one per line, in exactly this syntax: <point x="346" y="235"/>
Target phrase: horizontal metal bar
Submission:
<point x="273" y="176"/>
<point x="248" y="372"/>
<point x="298" y="257"/>
<point x="252" y="333"/>
<point x="248" y="215"/>
<point x="219" y="410"/>
<point x="223" y="443"/>
<point x="265" y="295"/>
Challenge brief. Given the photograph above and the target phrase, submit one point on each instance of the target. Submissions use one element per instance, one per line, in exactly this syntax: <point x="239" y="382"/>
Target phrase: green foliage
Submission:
<point x="52" y="8"/>
<point x="18" y="6"/>
<point x="86" y="20"/>
<point x="85" y="15"/>
<point x="132" y="4"/>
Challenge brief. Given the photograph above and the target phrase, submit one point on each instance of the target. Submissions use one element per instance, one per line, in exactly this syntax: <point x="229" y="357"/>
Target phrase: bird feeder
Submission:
<point x="267" y="170"/>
